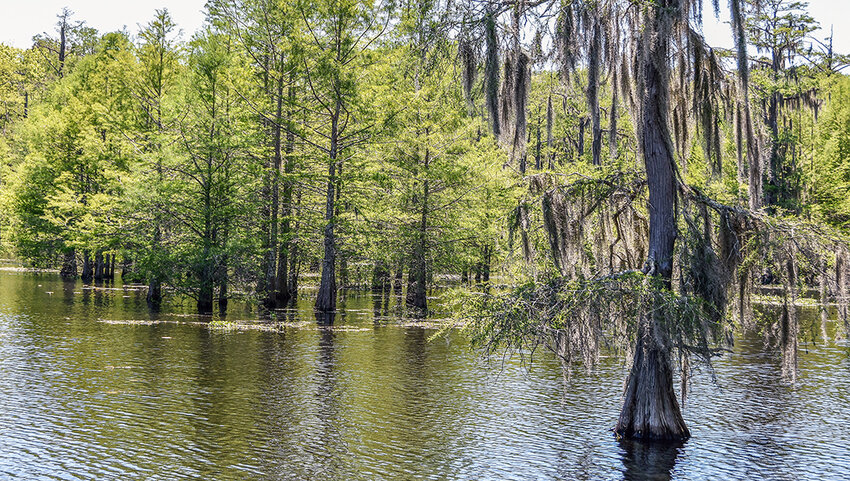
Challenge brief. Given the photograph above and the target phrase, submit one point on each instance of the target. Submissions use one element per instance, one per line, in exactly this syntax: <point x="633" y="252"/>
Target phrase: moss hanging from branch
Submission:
<point x="519" y="102"/>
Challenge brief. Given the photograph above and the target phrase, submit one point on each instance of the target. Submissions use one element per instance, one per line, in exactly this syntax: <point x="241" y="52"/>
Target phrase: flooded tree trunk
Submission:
<point x="326" y="298"/>
<point x="87" y="267"/>
<point x="126" y="267"/>
<point x="98" y="266"/>
<point x="268" y="282"/>
<point x="380" y="277"/>
<point x="417" y="287"/>
<point x="841" y="281"/>
<point x="650" y="409"/>
<point x="205" y="297"/>
<point x="399" y="275"/>
<point x="789" y="323"/>
<point x="823" y="299"/>
<point x="222" y="287"/>
<point x="284" y="294"/>
<point x="293" y="272"/>
<point x="69" y="265"/>
<point x="154" y="295"/>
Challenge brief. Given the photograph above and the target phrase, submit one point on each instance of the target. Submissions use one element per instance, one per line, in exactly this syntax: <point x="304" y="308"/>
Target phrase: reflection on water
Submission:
<point x="644" y="461"/>
<point x="161" y="396"/>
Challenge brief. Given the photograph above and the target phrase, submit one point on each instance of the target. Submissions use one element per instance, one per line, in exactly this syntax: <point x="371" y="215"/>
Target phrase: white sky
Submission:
<point x="21" y="19"/>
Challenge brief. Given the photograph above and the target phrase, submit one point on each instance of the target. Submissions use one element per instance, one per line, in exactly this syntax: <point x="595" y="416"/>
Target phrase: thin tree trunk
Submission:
<point x="582" y="123"/>
<point x="485" y="265"/>
<point x="593" y="91"/>
<point x="550" y="120"/>
<point x="223" y="286"/>
<point x="284" y="292"/>
<point x="538" y="160"/>
<point x="269" y="293"/>
<point x="612" y="123"/>
<point x="292" y="281"/>
<point x="326" y="298"/>
<point x="416" y="292"/>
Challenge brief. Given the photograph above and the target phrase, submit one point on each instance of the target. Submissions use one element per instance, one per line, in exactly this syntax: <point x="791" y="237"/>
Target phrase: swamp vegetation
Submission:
<point x="591" y="175"/>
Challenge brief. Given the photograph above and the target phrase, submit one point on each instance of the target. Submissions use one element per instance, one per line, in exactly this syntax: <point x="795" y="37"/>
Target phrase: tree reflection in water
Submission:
<point x="644" y="461"/>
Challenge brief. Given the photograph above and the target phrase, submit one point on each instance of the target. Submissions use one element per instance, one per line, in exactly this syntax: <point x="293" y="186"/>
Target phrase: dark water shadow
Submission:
<point x="325" y="318"/>
<point x="648" y="461"/>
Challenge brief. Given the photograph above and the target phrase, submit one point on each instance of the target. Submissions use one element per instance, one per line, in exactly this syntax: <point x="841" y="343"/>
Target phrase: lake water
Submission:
<point x="86" y="395"/>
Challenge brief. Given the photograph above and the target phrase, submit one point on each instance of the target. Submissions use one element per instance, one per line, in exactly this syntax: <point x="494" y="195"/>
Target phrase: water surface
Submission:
<point x="371" y="398"/>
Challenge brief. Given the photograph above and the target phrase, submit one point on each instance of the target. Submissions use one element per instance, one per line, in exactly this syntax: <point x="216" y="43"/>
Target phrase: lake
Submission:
<point x="93" y="386"/>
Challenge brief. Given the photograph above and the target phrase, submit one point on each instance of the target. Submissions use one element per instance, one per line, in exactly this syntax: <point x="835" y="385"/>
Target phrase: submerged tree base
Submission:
<point x="650" y="409"/>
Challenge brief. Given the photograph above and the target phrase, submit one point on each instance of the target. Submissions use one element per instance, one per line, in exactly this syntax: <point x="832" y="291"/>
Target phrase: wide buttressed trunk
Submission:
<point x="650" y="409"/>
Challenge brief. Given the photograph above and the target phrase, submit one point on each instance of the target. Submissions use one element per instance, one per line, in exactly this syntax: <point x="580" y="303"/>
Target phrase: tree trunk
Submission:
<point x="550" y="120"/>
<point x="789" y="327"/>
<point x="154" y="296"/>
<point x="326" y="298"/>
<point x="538" y="160"/>
<point x="380" y="278"/>
<point x="593" y="91"/>
<point x="63" y="38"/>
<point x="650" y="409"/>
<point x="416" y="290"/>
<point x="612" y="123"/>
<point x="87" y="268"/>
<point x="582" y="122"/>
<point x="126" y="267"/>
<point x="485" y="265"/>
<point x="284" y="292"/>
<point x="98" y="266"/>
<point x="269" y="292"/>
<point x="69" y="265"/>
<point x="399" y="275"/>
<point x="205" y="297"/>
<point x="222" y="286"/>
<point x="293" y="272"/>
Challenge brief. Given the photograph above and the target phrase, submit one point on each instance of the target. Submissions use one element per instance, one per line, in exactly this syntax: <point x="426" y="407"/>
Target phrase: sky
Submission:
<point x="22" y="19"/>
